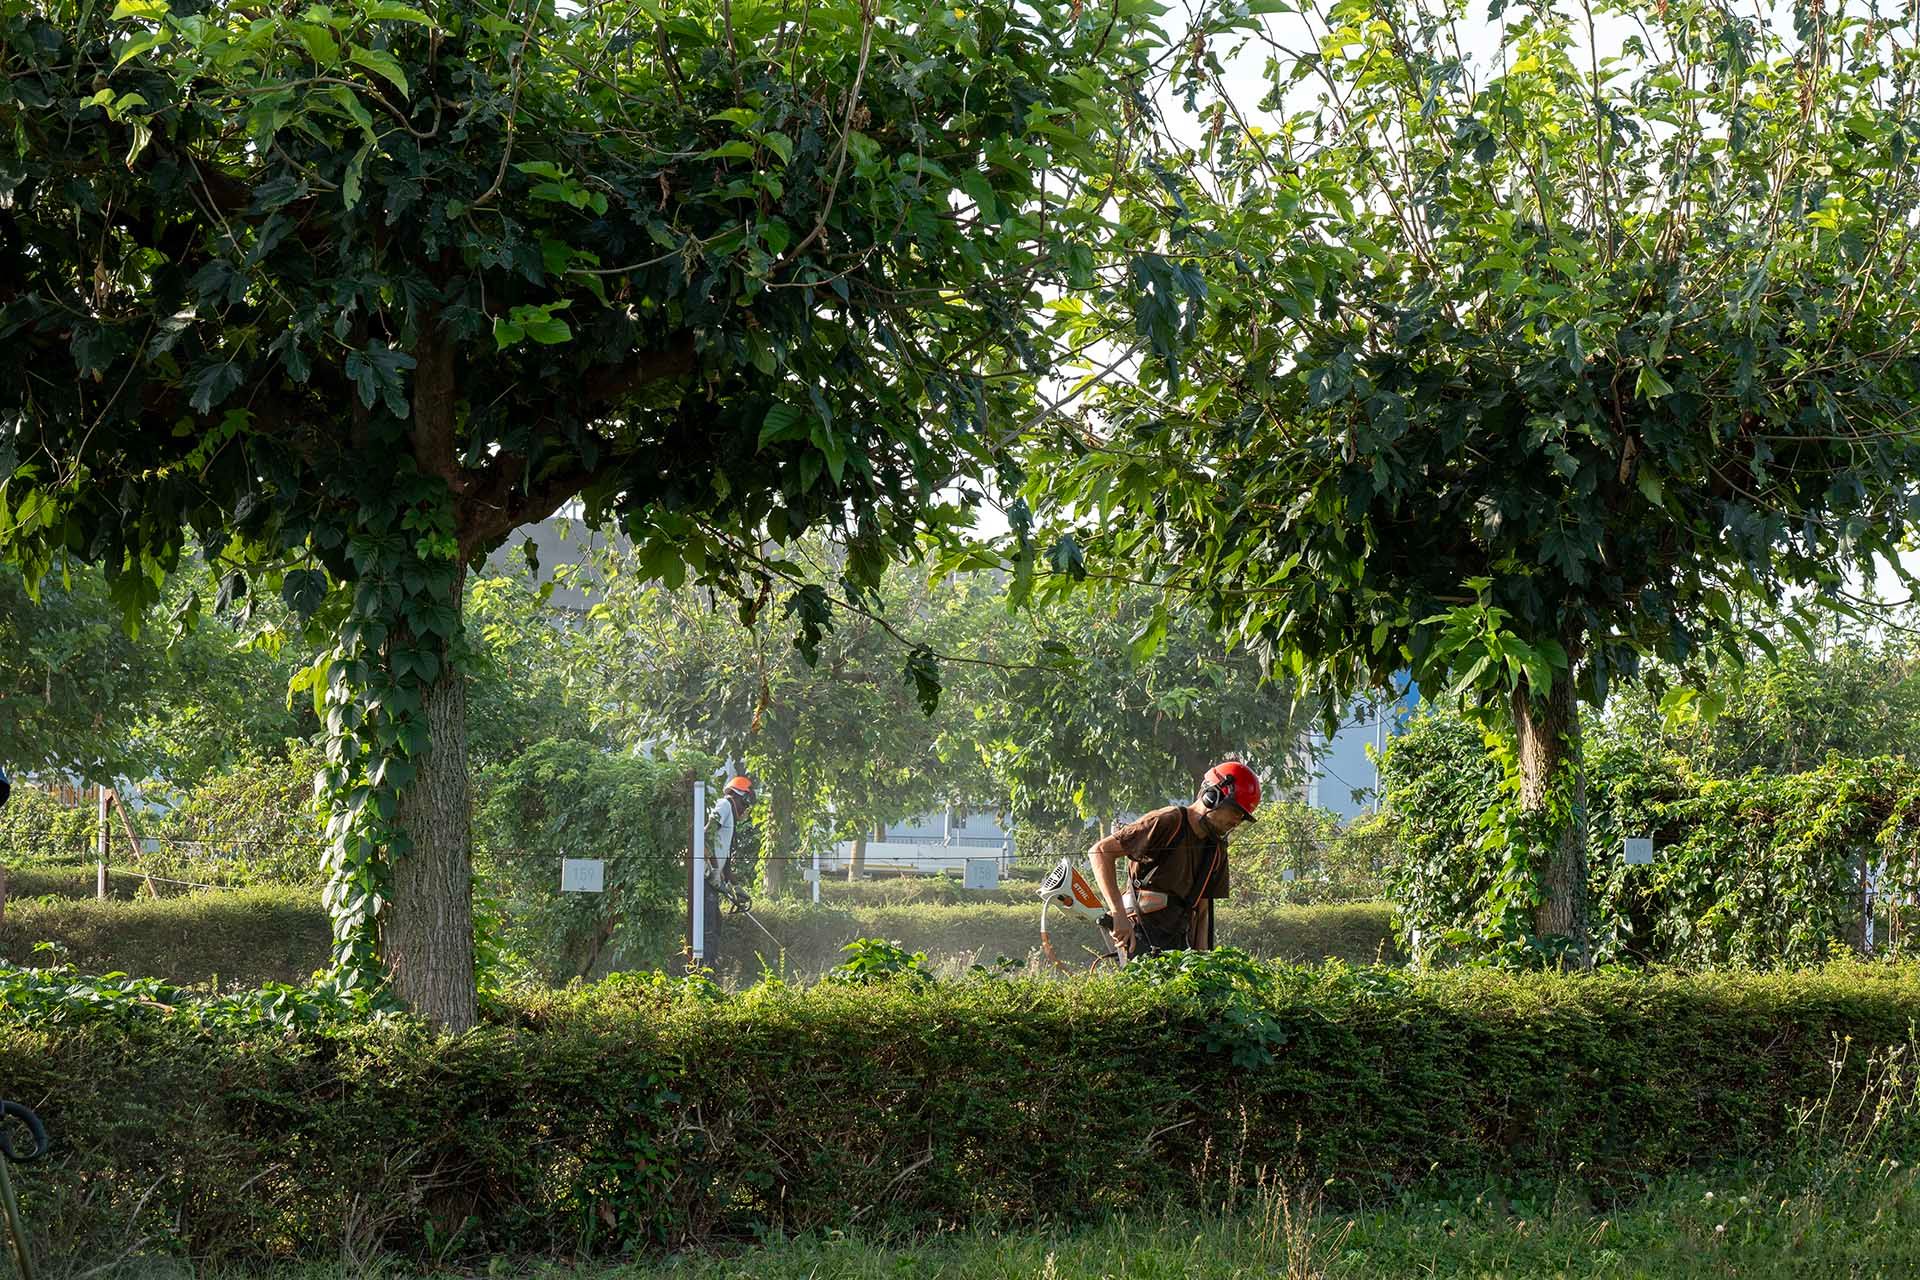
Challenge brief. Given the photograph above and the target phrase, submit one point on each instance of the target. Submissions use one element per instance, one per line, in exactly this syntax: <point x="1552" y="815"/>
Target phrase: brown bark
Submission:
<point x="857" y="861"/>
<point x="1548" y="733"/>
<point x="426" y="929"/>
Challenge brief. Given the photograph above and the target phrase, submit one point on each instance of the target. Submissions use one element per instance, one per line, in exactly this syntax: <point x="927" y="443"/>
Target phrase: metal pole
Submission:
<point x="100" y="849"/>
<point x="699" y="871"/>
<point x="816" y="877"/>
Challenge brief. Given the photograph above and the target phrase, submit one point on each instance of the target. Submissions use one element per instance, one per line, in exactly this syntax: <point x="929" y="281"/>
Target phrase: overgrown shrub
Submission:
<point x="574" y="799"/>
<point x="257" y="823"/>
<point x="646" y="1111"/>
<point x="1756" y="871"/>
<point x="254" y="824"/>
<point x="1300" y="854"/>
<point x="36" y="828"/>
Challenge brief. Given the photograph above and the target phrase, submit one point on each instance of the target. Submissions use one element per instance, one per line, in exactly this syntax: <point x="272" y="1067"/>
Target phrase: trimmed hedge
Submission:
<point x="251" y="936"/>
<point x="654" y="1112"/>
<point x="982" y="932"/>
<point x="241" y="937"/>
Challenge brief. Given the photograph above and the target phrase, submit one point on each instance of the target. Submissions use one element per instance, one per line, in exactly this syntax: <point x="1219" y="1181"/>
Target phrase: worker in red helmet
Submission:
<point x="735" y="799"/>
<point x="1178" y="858"/>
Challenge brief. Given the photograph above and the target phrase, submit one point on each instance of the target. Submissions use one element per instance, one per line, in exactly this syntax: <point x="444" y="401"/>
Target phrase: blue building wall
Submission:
<point x="1344" y="777"/>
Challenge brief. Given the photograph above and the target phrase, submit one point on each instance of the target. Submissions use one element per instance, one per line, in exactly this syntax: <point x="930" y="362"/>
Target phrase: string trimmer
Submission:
<point x="1068" y="888"/>
<point x="736" y="902"/>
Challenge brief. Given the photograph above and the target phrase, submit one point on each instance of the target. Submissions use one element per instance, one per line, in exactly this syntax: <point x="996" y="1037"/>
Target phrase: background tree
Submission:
<point x="168" y="703"/>
<point x="1518" y="375"/>
<point x="352" y="291"/>
<point x="1112" y="701"/>
<point x="839" y="740"/>
<point x="1855" y="693"/>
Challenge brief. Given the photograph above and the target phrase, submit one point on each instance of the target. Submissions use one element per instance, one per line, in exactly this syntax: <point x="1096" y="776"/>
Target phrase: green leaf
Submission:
<point x="303" y="590"/>
<point x="1650" y="384"/>
<point x="780" y="144"/>
<point x="1649" y="484"/>
<point x="741" y="116"/>
<point x="1149" y="638"/>
<point x="137" y="45"/>
<point x="149" y="9"/>
<point x="384" y="65"/>
<point x="356" y="170"/>
<point x="730" y="151"/>
<point x="783" y="422"/>
<point x="776" y="235"/>
<point x="833" y="446"/>
<point x="550" y="331"/>
<point x="386" y="11"/>
<point x="538" y="323"/>
<point x="350" y="103"/>
<point x="319" y="44"/>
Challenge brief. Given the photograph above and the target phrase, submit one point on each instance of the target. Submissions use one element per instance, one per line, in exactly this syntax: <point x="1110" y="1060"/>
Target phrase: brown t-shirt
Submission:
<point x="1169" y="855"/>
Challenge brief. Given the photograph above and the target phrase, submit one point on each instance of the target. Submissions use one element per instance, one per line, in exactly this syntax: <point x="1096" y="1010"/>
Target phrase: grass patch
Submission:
<point x="1863" y="1223"/>
<point x="1691" y="1226"/>
<point x="239" y="937"/>
<point x="957" y="936"/>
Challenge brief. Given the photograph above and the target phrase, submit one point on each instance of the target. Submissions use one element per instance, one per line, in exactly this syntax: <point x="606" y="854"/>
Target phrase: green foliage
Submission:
<point x="1296" y="853"/>
<point x="572" y="799"/>
<point x="1225" y="987"/>
<point x="256" y="823"/>
<point x="838" y="737"/>
<point x="1523" y="381"/>
<point x="877" y="960"/>
<point x="1544" y="377"/>
<point x="1104" y="702"/>
<point x="172" y="702"/>
<point x="1756" y="871"/>
<point x="1849" y="691"/>
<point x="44" y="999"/>
<point x="34" y="827"/>
<point x="522" y="687"/>
<point x="650" y="1111"/>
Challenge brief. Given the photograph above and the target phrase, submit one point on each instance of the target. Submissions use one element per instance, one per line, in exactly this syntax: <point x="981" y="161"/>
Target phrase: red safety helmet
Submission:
<point x="743" y="786"/>
<point x="1231" y="783"/>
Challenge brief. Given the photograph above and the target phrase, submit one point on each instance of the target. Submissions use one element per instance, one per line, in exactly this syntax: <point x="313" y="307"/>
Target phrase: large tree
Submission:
<point x="1519" y="372"/>
<point x="352" y="290"/>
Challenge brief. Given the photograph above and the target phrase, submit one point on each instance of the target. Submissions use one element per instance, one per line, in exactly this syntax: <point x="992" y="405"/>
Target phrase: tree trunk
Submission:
<point x="857" y="861"/>
<point x="1548" y="732"/>
<point x="777" y="848"/>
<point x="426" y="929"/>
